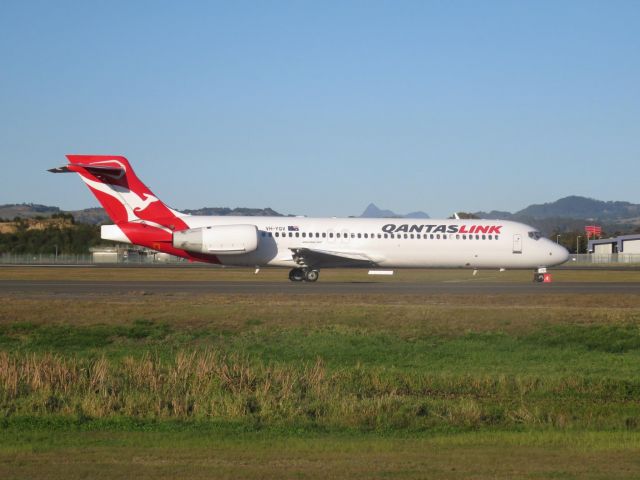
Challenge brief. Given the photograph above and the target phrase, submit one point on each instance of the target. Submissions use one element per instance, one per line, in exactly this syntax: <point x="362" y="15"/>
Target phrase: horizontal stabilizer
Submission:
<point x="92" y="169"/>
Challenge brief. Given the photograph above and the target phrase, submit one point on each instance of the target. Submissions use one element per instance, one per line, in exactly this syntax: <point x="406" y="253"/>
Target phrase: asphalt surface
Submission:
<point x="86" y="288"/>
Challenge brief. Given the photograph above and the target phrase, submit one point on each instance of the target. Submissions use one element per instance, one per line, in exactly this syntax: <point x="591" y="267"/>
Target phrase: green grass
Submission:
<point x="627" y="273"/>
<point x="611" y="350"/>
<point x="210" y="451"/>
<point x="368" y="386"/>
<point x="327" y="377"/>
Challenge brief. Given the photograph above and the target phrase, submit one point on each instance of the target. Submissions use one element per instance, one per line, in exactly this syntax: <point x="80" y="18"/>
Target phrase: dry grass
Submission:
<point x="210" y="273"/>
<point x="415" y="314"/>
<point x="452" y="457"/>
<point x="207" y="385"/>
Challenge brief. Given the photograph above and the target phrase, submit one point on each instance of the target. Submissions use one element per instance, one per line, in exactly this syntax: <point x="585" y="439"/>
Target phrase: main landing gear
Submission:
<point x="303" y="274"/>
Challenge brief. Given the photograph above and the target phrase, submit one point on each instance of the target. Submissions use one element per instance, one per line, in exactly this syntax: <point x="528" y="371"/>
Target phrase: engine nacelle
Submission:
<point x="218" y="239"/>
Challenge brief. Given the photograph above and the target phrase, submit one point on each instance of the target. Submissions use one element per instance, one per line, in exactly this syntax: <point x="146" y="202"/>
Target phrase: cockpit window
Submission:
<point x="535" y="235"/>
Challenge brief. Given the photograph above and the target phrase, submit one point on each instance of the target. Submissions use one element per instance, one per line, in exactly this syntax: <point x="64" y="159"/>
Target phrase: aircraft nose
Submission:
<point x="560" y="254"/>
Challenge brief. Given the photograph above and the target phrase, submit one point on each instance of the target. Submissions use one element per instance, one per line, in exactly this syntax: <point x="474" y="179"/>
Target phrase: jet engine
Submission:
<point x="218" y="239"/>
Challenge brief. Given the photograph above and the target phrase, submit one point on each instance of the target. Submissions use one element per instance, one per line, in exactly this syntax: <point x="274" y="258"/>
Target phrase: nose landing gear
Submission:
<point x="539" y="274"/>
<point x="303" y="274"/>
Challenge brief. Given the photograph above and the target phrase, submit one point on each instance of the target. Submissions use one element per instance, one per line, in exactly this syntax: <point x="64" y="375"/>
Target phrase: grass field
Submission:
<point x="209" y="273"/>
<point x="269" y="386"/>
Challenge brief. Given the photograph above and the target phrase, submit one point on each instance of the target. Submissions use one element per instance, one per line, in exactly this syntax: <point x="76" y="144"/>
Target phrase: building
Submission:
<point x="105" y="254"/>
<point x="624" y="245"/>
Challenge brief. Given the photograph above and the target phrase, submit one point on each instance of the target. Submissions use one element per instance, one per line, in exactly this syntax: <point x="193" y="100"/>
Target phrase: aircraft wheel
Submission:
<point x="538" y="277"/>
<point x="296" y="275"/>
<point x="311" y="275"/>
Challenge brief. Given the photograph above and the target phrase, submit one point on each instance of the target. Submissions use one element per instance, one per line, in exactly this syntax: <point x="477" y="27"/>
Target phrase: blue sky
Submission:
<point x="319" y="108"/>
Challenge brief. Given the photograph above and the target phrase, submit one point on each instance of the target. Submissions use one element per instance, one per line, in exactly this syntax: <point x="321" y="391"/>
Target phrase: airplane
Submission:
<point x="306" y="245"/>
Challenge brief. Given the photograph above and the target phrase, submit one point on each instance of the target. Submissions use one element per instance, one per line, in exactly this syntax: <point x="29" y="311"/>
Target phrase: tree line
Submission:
<point x="75" y="238"/>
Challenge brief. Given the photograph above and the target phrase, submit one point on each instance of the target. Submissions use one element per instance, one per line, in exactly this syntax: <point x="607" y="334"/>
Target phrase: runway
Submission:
<point x="88" y="288"/>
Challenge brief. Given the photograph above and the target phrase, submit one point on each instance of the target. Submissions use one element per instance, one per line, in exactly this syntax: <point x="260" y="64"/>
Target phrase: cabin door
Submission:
<point x="517" y="243"/>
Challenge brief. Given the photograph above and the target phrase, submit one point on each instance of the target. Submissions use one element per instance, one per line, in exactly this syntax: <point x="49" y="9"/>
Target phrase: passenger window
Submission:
<point x="264" y="234"/>
<point x="304" y="234"/>
<point x="297" y="235"/>
<point x="366" y="235"/>
<point x="337" y="235"/>
<point x="270" y="234"/>
<point x="444" y="236"/>
<point x="392" y="236"/>
<point x="331" y="235"/>
<point x="496" y="237"/>
<point x="385" y="235"/>
<point x="432" y="236"/>
<point x="411" y="236"/>
<point x="490" y="237"/>
<point x="464" y="237"/>
<point x="457" y="237"/>
<point x="484" y="237"/>
<point x="438" y="236"/>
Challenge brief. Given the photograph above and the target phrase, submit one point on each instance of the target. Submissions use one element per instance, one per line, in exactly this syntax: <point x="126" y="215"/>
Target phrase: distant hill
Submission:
<point x="567" y="214"/>
<point x="494" y="215"/>
<point x="26" y="210"/>
<point x="574" y="206"/>
<point x="225" y="211"/>
<point x="372" y="211"/>
<point x="572" y="213"/>
<point x="93" y="216"/>
<point x="97" y="215"/>
<point x="584" y="208"/>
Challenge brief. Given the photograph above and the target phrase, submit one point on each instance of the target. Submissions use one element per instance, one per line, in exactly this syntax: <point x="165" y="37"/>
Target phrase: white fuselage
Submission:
<point x="394" y="242"/>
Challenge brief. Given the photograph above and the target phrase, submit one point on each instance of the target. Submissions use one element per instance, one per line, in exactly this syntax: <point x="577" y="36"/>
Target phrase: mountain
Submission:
<point x="418" y="214"/>
<point x="97" y="215"/>
<point x="494" y="215"/>
<point x="576" y="207"/>
<point x="372" y="211"/>
<point x="26" y="210"/>
<point x="224" y="211"/>
<point x="572" y="213"/>
<point x="94" y="216"/>
<point x="583" y="208"/>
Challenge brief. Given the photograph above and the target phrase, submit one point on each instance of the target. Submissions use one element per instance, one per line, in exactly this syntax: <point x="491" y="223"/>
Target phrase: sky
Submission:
<point x="319" y="108"/>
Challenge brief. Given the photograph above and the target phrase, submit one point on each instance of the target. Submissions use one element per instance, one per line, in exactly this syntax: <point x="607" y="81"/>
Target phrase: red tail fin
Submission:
<point x="120" y="191"/>
<point x="137" y="212"/>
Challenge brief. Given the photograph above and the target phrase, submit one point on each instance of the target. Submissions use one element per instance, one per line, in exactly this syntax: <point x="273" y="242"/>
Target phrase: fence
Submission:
<point x="162" y="258"/>
<point x="85" y="259"/>
<point x="600" y="258"/>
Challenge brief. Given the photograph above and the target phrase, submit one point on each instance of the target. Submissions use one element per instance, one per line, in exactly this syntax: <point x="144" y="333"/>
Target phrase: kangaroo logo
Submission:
<point x="146" y="201"/>
<point x="133" y="202"/>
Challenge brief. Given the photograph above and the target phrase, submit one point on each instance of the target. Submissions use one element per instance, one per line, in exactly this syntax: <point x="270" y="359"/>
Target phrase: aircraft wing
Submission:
<point x="315" y="258"/>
